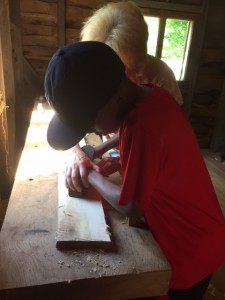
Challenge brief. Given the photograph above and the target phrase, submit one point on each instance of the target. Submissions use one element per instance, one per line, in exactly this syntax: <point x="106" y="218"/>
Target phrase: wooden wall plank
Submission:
<point x="32" y="79"/>
<point x="87" y="3"/>
<point x="218" y="139"/>
<point x="8" y="87"/>
<point x="194" y="57"/>
<point x="76" y="15"/>
<point x="38" y="51"/>
<point x="40" y="30"/>
<point x="23" y="106"/>
<point x="6" y="178"/>
<point x="35" y="6"/>
<point x="61" y="10"/>
<point x="39" y="19"/>
<point x="172" y="6"/>
<point x="38" y="40"/>
<point x="72" y="35"/>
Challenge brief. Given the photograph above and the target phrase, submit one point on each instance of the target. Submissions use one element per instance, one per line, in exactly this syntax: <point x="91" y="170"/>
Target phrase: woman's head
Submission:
<point x="122" y="26"/>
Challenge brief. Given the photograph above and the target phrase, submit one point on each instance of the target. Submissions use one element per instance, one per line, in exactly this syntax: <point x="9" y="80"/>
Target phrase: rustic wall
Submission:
<point x="211" y="74"/>
<point x="40" y="34"/>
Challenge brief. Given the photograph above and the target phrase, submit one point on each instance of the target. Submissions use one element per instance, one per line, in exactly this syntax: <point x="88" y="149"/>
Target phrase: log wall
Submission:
<point x="41" y="32"/>
<point x="211" y="75"/>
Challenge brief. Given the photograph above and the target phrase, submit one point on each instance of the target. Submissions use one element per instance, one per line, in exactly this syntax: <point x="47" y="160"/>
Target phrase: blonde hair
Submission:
<point x="120" y="25"/>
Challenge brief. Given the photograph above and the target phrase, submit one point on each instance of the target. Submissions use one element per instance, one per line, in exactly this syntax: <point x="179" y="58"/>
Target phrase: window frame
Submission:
<point x="198" y="13"/>
<point x="163" y="15"/>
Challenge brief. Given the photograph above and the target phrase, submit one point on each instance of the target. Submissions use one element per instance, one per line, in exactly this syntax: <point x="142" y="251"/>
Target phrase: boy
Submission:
<point x="163" y="172"/>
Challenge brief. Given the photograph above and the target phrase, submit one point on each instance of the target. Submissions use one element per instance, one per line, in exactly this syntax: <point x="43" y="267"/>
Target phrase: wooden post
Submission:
<point x="7" y="139"/>
<point x="218" y="139"/>
<point x="197" y="41"/>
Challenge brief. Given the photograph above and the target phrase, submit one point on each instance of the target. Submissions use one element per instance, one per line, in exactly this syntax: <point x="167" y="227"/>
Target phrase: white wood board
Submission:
<point x="81" y="221"/>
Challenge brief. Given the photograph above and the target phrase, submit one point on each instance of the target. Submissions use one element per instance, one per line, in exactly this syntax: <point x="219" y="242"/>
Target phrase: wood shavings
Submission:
<point x="61" y="263"/>
<point x="108" y="230"/>
<point x="66" y="213"/>
<point x="212" y="290"/>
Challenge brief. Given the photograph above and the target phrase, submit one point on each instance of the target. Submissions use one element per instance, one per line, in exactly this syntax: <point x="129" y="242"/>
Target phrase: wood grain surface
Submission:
<point x="32" y="266"/>
<point x="81" y="221"/>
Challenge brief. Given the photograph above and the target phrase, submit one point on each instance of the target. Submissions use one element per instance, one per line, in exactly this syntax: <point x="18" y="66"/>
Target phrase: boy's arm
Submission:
<point x="111" y="192"/>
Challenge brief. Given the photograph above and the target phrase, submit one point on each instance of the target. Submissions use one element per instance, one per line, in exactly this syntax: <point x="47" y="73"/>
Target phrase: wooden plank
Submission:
<point x="76" y="15"/>
<point x="36" y="6"/>
<point x="81" y="221"/>
<point x="218" y="139"/>
<point x="39" y="51"/>
<point x="8" y="90"/>
<point x="39" y="19"/>
<point x="162" y="25"/>
<point x="72" y="35"/>
<point x="31" y="267"/>
<point x="195" y="54"/>
<point x="170" y="6"/>
<point x="40" y="30"/>
<point x="86" y="3"/>
<point x="6" y="180"/>
<point x="38" y="40"/>
<point x="32" y="79"/>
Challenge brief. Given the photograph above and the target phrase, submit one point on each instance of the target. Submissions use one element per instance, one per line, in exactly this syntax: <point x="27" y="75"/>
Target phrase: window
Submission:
<point x="169" y="39"/>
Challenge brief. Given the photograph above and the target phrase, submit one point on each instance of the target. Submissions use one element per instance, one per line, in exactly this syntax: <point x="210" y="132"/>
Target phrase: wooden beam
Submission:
<point x="169" y="6"/>
<point x="32" y="79"/>
<point x="218" y="139"/>
<point x="8" y="86"/>
<point x="195" y="55"/>
<point x="6" y="180"/>
<point x="61" y="23"/>
<point x="23" y="106"/>
<point x="162" y="25"/>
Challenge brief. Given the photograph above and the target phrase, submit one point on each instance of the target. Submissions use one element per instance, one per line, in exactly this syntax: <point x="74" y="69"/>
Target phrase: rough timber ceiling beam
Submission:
<point x="169" y="6"/>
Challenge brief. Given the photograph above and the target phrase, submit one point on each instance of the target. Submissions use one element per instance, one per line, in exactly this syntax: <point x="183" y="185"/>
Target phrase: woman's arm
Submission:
<point x="77" y="167"/>
<point x="109" y="144"/>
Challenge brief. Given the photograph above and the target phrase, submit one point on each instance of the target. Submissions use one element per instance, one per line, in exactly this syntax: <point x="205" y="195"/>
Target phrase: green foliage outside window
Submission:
<point x="174" y="39"/>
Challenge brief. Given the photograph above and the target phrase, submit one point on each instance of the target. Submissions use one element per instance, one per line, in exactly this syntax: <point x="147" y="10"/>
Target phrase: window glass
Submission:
<point x="176" y="45"/>
<point x="176" y="42"/>
<point x="153" y="29"/>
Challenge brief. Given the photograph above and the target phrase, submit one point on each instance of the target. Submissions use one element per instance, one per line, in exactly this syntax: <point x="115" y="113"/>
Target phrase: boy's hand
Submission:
<point x="109" y="165"/>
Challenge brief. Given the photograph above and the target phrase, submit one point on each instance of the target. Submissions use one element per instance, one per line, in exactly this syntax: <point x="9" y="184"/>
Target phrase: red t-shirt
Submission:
<point x="165" y="175"/>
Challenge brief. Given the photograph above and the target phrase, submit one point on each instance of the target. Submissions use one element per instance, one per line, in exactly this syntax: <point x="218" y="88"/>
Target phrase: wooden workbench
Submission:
<point x="31" y="267"/>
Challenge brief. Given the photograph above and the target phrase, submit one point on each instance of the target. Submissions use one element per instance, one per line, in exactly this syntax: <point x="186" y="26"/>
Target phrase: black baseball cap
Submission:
<point x="80" y="79"/>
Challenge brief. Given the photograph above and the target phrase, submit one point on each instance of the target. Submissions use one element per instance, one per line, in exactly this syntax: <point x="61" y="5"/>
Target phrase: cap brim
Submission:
<point x="62" y="137"/>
